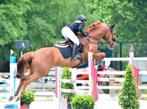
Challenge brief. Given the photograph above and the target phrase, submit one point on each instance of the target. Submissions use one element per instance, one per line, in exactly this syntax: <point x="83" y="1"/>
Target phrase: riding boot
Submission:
<point x="80" y="48"/>
<point x="74" y="51"/>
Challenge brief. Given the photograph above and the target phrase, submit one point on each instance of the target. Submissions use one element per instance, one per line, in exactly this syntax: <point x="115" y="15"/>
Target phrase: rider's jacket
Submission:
<point x="76" y="27"/>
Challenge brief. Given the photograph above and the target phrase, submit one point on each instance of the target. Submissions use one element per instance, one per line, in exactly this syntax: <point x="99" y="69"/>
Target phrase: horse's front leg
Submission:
<point x="98" y="57"/>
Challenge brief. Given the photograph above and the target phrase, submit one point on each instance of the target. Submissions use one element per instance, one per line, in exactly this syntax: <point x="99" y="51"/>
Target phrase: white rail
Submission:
<point x="119" y="72"/>
<point x="126" y="59"/>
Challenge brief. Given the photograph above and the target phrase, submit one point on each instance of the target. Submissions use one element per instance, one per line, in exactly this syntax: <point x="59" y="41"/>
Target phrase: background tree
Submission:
<point x="129" y="15"/>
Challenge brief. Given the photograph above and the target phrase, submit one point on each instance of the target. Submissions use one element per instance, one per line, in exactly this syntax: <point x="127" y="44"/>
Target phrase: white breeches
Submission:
<point x="68" y="33"/>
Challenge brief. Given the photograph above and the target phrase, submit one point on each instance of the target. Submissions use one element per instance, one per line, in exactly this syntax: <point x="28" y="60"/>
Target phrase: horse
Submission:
<point x="34" y="65"/>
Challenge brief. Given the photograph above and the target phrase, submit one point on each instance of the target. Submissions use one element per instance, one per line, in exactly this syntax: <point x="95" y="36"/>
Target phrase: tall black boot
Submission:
<point x="80" y="48"/>
<point x="74" y="51"/>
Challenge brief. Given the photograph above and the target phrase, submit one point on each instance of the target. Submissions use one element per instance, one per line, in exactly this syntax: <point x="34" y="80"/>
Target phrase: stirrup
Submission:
<point x="76" y="57"/>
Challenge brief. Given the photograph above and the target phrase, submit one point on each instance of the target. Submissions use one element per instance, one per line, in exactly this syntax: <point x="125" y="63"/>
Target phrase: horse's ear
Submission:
<point x="101" y="20"/>
<point x="112" y="26"/>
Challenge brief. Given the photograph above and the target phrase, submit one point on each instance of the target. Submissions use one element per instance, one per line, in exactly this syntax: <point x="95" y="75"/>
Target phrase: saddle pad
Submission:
<point x="66" y="52"/>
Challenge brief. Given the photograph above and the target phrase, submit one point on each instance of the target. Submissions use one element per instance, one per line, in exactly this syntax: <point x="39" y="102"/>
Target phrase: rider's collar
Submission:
<point x="78" y="21"/>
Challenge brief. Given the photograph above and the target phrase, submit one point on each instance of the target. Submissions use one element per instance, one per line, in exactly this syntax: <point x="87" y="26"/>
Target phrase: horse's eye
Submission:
<point x="93" y="25"/>
<point x="114" y="39"/>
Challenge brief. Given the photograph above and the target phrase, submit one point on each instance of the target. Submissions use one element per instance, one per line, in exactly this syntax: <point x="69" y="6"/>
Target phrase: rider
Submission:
<point x="71" y="30"/>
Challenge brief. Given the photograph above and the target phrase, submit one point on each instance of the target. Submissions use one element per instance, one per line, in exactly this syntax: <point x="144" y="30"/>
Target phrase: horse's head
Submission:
<point x="98" y="30"/>
<point x="110" y="36"/>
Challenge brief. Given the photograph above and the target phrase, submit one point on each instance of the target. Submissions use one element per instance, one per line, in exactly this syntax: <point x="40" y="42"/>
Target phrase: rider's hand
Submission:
<point x="86" y="34"/>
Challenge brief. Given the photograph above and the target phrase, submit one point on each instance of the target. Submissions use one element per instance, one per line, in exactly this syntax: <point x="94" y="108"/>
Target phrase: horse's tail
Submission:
<point x="26" y="59"/>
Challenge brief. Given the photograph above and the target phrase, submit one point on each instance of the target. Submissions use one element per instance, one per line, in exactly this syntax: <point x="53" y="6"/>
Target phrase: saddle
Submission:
<point x="64" y="44"/>
<point x="66" y="47"/>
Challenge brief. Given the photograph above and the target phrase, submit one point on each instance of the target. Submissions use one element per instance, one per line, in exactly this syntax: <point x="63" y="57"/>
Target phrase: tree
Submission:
<point x="41" y="21"/>
<point x="13" y="26"/>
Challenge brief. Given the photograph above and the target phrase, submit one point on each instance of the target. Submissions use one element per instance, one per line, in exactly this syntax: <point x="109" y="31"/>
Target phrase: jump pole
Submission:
<point x="90" y="72"/>
<point x="58" y="87"/>
<point x="93" y="78"/>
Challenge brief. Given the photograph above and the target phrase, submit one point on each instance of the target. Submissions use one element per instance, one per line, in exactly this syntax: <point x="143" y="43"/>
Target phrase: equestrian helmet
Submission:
<point x="82" y="18"/>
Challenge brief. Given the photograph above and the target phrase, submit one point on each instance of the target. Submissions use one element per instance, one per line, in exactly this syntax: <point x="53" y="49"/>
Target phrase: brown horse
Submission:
<point x="36" y="64"/>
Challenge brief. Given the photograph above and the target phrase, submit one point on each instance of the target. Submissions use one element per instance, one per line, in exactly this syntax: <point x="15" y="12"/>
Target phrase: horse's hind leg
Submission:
<point x="35" y="76"/>
<point x="17" y="91"/>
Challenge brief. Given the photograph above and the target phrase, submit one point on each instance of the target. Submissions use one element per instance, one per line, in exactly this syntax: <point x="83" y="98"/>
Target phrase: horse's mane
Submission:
<point x="92" y="26"/>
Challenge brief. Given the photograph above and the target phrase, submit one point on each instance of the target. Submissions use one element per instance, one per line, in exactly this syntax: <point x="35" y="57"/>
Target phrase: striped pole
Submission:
<point x="58" y="87"/>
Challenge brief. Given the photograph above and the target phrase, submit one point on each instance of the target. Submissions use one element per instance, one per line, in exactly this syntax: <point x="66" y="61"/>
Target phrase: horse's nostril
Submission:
<point x="114" y="39"/>
<point x="18" y="76"/>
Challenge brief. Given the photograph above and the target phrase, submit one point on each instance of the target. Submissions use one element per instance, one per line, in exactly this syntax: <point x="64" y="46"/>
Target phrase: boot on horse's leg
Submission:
<point x="74" y="52"/>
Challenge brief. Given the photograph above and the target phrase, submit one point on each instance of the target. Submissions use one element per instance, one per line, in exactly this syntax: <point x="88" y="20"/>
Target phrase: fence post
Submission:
<point x="13" y="81"/>
<point x="58" y="87"/>
<point x="131" y="53"/>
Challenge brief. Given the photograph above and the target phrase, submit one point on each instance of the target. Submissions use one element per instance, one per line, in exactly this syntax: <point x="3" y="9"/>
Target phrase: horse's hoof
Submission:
<point x="77" y="57"/>
<point x="14" y="98"/>
<point x="17" y="98"/>
<point x="97" y="61"/>
<point x="11" y="98"/>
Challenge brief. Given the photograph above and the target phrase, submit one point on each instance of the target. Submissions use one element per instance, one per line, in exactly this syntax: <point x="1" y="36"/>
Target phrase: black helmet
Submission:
<point x="82" y="18"/>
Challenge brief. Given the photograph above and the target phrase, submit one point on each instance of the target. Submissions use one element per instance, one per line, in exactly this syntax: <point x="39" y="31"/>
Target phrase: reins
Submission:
<point x="88" y="39"/>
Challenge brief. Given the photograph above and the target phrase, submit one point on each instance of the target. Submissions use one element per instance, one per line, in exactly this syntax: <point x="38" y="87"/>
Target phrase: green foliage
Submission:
<point x="125" y="14"/>
<point x="82" y="102"/>
<point x="41" y="21"/>
<point x="128" y="96"/>
<point x="12" y="22"/>
<point x="67" y="75"/>
<point x="28" y="97"/>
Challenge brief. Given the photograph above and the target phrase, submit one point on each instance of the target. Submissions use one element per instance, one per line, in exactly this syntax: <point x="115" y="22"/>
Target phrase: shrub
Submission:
<point x="128" y="96"/>
<point x="82" y="102"/>
<point x="67" y="75"/>
<point x="28" y="97"/>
